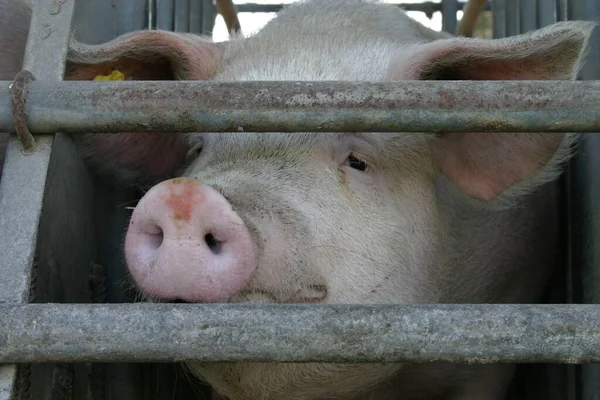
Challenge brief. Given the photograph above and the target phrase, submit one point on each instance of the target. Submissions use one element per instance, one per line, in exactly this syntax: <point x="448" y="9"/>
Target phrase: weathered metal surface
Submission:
<point x="20" y="204"/>
<point x="195" y="16"/>
<point x="585" y="228"/>
<point x="528" y="15"/>
<point x="449" y="10"/>
<point x="164" y="14"/>
<point x="209" y="13"/>
<point x="546" y="12"/>
<point x="499" y="18"/>
<point x="182" y="15"/>
<point x="512" y="21"/>
<point x="300" y="333"/>
<point x="198" y="106"/>
<point x="586" y="193"/>
<point x="24" y="176"/>
<point x="426" y="7"/>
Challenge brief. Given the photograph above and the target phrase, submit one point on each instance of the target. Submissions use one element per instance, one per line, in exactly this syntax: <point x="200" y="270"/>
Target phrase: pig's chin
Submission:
<point x="254" y="381"/>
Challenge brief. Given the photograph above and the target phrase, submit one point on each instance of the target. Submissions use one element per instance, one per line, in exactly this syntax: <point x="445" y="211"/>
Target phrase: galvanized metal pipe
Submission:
<point x="21" y="205"/>
<point x="425" y="7"/>
<point x="499" y="18"/>
<point x="299" y="333"/>
<point x="449" y="10"/>
<point x="165" y="14"/>
<point x="200" y="106"/>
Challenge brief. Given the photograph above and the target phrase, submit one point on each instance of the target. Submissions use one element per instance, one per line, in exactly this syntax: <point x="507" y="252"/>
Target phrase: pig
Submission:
<point x="334" y="218"/>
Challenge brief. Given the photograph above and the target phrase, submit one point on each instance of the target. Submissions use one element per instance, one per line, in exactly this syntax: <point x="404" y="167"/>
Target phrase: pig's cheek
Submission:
<point x="276" y="247"/>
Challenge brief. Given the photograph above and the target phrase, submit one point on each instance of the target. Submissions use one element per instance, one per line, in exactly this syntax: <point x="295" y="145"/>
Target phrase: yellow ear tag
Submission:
<point x="114" y="75"/>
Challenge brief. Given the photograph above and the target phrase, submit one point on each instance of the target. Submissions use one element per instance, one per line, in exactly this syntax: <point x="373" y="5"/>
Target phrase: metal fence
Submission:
<point x="41" y="261"/>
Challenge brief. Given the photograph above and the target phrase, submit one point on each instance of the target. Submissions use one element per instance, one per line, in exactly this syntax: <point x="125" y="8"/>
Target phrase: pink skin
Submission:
<point x="169" y="253"/>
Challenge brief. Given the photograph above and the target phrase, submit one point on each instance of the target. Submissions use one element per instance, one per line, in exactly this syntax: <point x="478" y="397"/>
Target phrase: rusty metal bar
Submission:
<point x="299" y="333"/>
<point x="417" y="106"/>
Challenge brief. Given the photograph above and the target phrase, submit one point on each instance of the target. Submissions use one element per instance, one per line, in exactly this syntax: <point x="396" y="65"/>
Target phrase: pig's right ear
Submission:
<point x="555" y="52"/>
<point x="485" y="165"/>
<point x="142" y="55"/>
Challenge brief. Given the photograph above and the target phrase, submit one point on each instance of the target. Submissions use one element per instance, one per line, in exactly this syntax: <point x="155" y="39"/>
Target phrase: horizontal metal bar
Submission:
<point x="409" y="106"/>
<point x="299" y="333"/>
<point x="427" y="7"/>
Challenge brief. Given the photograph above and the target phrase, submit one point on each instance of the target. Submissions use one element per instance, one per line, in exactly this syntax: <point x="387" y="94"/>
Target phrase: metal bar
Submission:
<point x="195" y="16"/>
<point x="421" y="7"/>
<point x="299" y="333"/>
<point x="562" y="10"/>
<point x="512" y="17"/>
<point x="151" y="14"/>
<point x="209" y="13"/>
<point x="21" y="205"/>
<point x="586" y="177"/>
<point x="586" y="233"/>
<point x="182" y="12"/>
<point x="449" y="9"/>
<point x="528" y="15"/>
<point x="164" y="15"/>
<point x="546" y="12"/>
<point x="499" y="18"/>
<point x="202" y="106"/>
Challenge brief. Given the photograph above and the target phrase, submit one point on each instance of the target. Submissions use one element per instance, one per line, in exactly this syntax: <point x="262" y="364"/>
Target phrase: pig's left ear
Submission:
<point x="484" y="165"/>
<point x="141" y="55"/>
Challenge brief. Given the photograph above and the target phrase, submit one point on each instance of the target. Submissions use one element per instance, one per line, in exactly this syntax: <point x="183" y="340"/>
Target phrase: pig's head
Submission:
<point x="328" y="217"/>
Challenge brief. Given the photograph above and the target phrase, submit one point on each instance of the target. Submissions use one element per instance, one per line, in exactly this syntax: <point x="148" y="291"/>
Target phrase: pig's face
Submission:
<point x="334" y="218"/>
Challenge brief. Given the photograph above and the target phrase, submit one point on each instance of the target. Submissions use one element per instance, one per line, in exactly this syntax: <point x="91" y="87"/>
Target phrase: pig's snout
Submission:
<point x="186" y="242"/>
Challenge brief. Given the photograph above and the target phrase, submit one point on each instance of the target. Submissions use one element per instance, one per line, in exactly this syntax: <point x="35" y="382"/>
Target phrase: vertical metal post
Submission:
<point x="209" y="12"/>
<point x="512" y="17"/>
<point x="195" y="16"/>
<point x="561" y="10"/>
<point x="164" y="14"/>
<point x="182" y="13"/>
<point x="528" y="15"/>
<point x="449" y="10"/>
<point x="560" y="379"/>
<point x="499" y="18"/>
<point x="24" y="177"/>
<point x="585" y="207"/>
<point x="547" y="12"/>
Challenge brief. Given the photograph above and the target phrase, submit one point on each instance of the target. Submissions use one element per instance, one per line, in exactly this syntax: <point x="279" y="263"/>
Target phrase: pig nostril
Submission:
<point x="213" y="244"/>
<point x="156" y="239"/>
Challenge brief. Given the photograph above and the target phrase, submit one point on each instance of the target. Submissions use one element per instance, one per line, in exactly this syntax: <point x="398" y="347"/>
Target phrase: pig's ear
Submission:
<point x="142" y="55"/>
<point x="146" y="55"/>
<point x="551" y="53"/>
<point x="484" y="165"/>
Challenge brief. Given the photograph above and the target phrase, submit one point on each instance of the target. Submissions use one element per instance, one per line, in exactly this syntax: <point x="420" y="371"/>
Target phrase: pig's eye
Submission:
<point x="194" y="152"/>
<point x="357" y="163"/>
